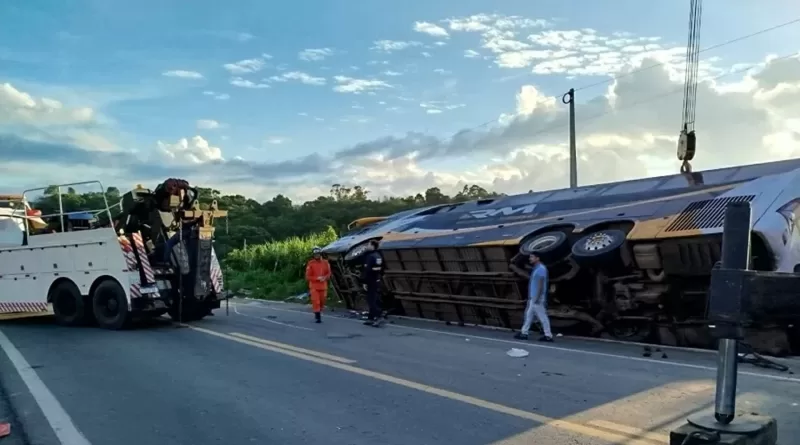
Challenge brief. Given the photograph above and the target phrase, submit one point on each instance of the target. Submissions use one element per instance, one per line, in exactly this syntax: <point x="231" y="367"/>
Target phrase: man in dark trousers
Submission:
<point x="371" y="276"/>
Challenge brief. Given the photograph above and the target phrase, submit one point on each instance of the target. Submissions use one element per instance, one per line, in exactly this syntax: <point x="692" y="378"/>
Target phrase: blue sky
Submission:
<point x="151" y="71"/>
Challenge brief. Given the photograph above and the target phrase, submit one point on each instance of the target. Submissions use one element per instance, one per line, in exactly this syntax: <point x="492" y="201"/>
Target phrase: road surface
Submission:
<point x="267" y="374"/>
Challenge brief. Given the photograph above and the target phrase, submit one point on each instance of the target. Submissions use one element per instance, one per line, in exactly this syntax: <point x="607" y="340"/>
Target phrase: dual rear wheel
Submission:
<point x="107" y="305"/>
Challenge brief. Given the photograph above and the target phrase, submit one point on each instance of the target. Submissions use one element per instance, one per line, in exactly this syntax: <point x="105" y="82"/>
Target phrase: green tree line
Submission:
<point x="251" y="222"/>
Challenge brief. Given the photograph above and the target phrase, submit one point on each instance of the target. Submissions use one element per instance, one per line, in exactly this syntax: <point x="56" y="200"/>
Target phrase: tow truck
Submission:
<point x="154" y="257"/>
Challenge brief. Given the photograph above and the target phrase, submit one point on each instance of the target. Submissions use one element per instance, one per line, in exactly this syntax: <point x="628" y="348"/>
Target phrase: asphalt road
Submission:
<point x="266" y="374"/>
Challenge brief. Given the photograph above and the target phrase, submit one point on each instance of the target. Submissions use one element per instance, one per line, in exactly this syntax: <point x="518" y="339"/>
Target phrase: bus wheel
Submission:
<point x="110" y="305"/>
<point x="599" y="246"/>
<point x="549" y="246"/>
<point x="68" y="304"/>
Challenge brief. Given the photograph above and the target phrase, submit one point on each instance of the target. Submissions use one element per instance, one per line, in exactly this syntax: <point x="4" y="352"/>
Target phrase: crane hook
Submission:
<point x="686" y="167"/>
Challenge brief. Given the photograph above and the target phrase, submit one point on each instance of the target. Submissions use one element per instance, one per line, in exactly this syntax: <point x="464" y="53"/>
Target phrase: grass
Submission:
<point x="274" y="270"/>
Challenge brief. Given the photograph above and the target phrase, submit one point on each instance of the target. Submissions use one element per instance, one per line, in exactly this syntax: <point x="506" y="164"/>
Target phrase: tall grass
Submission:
<point x="273" y="270"/>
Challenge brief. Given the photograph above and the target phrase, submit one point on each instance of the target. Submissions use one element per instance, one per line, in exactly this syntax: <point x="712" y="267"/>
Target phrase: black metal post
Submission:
<point x="728" y="301"/>
<point x="735" y="255"/>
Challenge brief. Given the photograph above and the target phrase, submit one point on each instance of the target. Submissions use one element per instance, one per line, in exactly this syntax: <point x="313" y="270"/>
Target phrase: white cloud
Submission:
<point x="471" y="54"/>
<point x="392" y="73"/>
<point x="277" y="140"/>
<point x="438" y="107"/>
<point x="430" y="29"/>
<point x="244" y="36"/>
<point x="315" y="54"/>
<point x="488" y="22"/>
<point x="442" y="71"/>
<point x="300" y="77"/>
<point x="426" y="54"/>
<point x="440" y="43"/>
<point x="244" y="83"/>
<point x="18" y="107"/>
<point x="208" y="124"/>
<point x="248" y="65"/>
<point x="218" y="96"/>
<point x="388" y="46"/>
<point x="357" y="86"/>
<point x="196" y="150"/>
<point x="183" y="74"/>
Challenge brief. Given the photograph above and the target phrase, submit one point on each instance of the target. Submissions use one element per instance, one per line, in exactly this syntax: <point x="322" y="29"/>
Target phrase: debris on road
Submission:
<point x="517" y="353"/>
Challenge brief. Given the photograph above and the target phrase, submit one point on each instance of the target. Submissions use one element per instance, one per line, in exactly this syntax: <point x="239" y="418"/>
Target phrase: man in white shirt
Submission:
<point x="537" y="301"/>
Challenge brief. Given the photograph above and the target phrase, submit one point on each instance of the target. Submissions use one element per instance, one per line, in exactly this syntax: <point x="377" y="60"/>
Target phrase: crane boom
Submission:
<point x="687" y="139"/>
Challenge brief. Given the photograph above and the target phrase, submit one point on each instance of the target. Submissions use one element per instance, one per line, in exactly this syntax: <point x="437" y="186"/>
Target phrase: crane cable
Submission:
<point x="686" y="144"/>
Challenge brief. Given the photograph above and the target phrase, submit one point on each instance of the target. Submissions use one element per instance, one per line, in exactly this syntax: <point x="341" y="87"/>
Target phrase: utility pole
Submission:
<point x="569" y="99"/>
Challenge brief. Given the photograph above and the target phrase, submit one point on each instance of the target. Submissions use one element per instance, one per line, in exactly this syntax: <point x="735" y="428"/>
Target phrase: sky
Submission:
<point x="260" y="98"/>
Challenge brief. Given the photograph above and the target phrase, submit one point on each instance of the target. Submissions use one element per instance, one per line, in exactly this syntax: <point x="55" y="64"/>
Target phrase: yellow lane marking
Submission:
<point x="614" y="437"/>
<point x="624" y="429"/>
<point x="299" y="350"/>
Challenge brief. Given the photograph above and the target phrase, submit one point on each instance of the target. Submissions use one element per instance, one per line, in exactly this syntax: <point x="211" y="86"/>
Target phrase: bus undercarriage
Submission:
<point x="645" y="292"/>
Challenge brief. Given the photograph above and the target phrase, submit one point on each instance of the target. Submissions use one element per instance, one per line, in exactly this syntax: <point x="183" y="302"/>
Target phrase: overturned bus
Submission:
<point x="629" y="259"/>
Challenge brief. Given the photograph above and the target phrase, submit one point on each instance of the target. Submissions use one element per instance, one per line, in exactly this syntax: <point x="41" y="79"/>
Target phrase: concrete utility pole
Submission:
<point x="569" y="99"/>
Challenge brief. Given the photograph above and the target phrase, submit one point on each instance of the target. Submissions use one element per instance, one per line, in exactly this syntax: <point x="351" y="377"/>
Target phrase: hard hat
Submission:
<point x="316" y="250"/>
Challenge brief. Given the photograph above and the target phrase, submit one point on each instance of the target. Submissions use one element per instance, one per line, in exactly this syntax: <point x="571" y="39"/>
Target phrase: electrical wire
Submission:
<point x="748" y="355"/>
<point x="712" y="47"/>
<point x="656" y="65"/>
<point x="647" y="100"/>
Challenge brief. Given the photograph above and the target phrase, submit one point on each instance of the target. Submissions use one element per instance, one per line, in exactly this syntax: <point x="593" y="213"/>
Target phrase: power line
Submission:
<point x="656" y="65"/>
<point x="650" y="99"/>
<point x="718" y="45"/>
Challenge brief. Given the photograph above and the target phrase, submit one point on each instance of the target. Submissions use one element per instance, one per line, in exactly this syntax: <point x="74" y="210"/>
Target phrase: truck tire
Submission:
<point x="68" y="304"/>
<point x="110" y="305"/>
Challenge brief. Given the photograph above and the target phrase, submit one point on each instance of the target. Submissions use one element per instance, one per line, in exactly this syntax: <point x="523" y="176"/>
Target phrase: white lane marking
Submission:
<point x="62" y="425"/>
<point x="563" y="349"/>
<point x="235" y="310"/>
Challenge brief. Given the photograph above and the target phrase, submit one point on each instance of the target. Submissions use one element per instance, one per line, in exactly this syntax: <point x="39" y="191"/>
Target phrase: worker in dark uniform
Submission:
<point x="371" y="276"/>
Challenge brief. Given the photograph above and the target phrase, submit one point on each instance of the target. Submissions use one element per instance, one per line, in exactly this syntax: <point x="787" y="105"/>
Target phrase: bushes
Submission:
<point x="274" y="270"/>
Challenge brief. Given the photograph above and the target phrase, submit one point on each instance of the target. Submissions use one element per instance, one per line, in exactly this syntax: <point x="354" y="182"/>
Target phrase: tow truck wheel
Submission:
<point x="110" y="305"/>
<point x="68" y="304"/>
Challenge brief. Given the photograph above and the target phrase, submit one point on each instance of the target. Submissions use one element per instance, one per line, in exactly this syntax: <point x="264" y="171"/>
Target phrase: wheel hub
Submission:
<point x="598" y="241"/>
<point x="357" y="252"/>
<point x="542" y="243"/>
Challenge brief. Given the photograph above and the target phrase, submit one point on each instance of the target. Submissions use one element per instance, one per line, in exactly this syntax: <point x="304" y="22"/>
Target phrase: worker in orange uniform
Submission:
<point x="318" y="273"/>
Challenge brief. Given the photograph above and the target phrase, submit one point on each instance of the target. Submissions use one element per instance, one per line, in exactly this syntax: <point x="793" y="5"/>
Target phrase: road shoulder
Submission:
<point x="19" y="408"/>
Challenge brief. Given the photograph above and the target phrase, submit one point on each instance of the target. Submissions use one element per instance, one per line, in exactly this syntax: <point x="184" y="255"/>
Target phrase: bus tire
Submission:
<point x="355" y="256"/>
<point x="68" y="304"/>
<point x="549" y="246"/>
<point x="110" y="305"/>
<point x="599" y="246"/>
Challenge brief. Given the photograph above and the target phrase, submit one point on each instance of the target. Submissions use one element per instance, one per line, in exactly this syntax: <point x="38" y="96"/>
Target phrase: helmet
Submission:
<point x="316" y="250"/>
